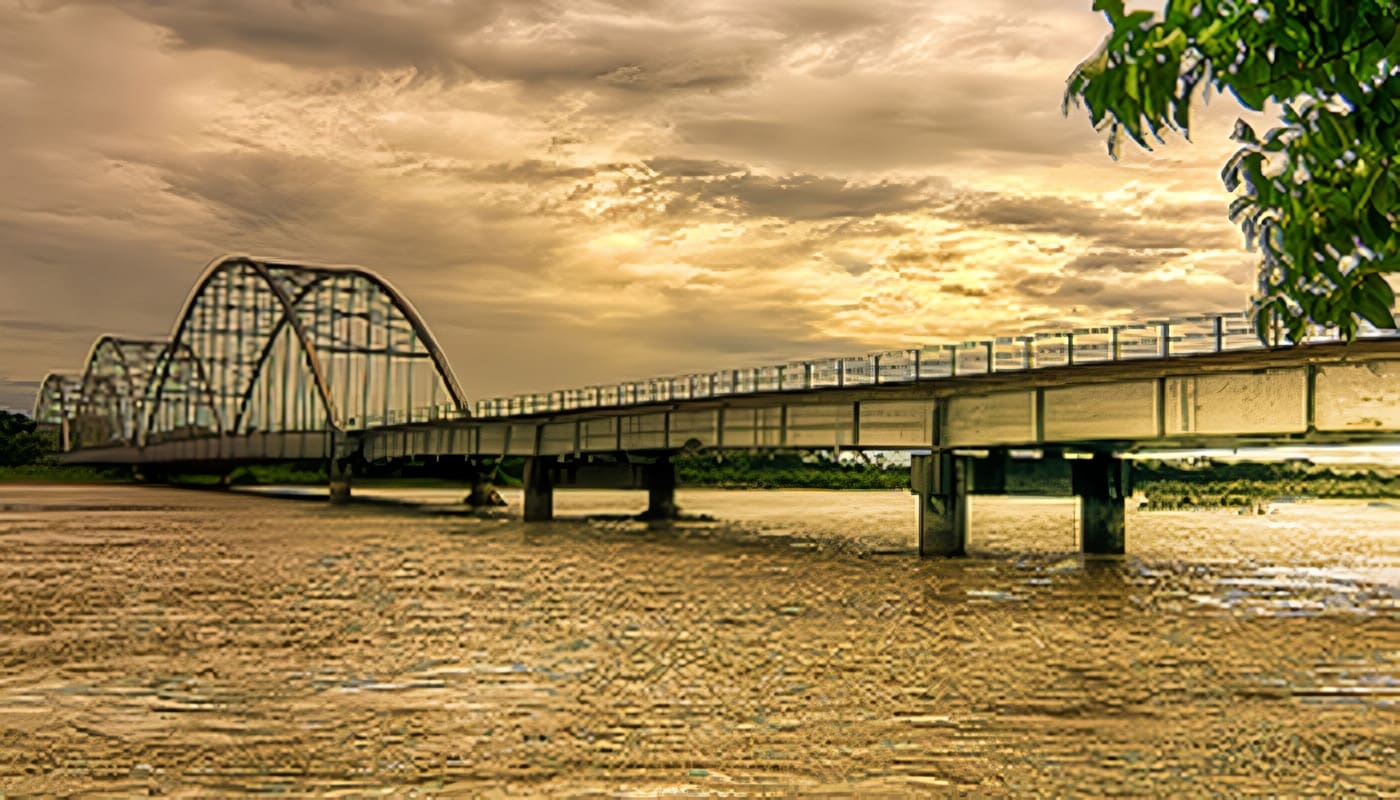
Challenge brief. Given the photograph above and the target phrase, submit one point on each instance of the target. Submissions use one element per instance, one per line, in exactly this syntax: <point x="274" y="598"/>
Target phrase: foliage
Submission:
<point x="1321" y="192"/>
<point x="21" y="442"/>
<point x="781" y="471"/>
<point x="55" y="473"/>
<point x="1242" y="484"/>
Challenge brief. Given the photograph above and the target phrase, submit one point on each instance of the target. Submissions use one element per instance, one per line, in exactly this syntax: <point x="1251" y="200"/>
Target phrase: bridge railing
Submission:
<point x="1169" y="338"/>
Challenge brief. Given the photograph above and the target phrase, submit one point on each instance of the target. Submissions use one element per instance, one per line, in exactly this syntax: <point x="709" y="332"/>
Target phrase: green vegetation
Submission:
<point x="22" y="443"/>
<point x="1173" y="483"/>
<point x="1321" y="192"/>
<point x="56" y="473"/>
<point x="27" y="454"/>
<point x="783" y="471"/>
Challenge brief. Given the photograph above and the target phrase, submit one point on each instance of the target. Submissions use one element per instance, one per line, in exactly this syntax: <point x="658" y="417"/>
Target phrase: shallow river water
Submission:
<point x="197" y="643"/>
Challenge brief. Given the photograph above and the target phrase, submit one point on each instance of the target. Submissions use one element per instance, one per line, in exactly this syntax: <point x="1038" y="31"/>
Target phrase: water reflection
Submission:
<point x="164" y="640"/>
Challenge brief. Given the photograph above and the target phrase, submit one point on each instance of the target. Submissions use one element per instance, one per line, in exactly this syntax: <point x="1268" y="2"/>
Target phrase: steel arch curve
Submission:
<point x="235" y="335"/>
<point x="57" y="400"/>
<point x="410" y="312"/>
<point x="113" y="387"/>
<point x="216" y="268"/>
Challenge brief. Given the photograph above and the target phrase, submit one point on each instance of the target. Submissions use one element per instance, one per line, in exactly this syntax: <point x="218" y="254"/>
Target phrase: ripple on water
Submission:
<point x="242" y="644"/>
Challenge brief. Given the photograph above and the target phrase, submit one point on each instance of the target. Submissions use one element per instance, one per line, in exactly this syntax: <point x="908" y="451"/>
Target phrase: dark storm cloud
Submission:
<point x="329" y="211"/>
<point x="814" y="197"/>
<point x="40" y="326"/>
<point x="625" y="45"/>
<point x="1158" y="227"/>
<point x="675" y="167"/>
<point x="1142" y="300"/>
<point x="1099" y="260"/>
<point x="686" y="188"/>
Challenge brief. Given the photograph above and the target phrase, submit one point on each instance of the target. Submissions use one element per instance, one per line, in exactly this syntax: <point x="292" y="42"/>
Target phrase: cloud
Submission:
<point x="18" y="395"/>
<point x="589" y="191"/>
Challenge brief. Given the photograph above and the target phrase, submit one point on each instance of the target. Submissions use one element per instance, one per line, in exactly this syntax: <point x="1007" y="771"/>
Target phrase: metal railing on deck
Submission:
<point x="1181" y="336"/>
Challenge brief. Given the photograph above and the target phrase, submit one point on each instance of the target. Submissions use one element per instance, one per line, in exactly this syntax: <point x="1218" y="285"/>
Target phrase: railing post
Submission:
<point x="1115" y="347"/>
<point x="1069" y="349"/>
<point x="1219" y="333"/>
<point x="876" y="359"/>
<point x="991" y="346"/>
<point x="840" y="372"/>
<point x="919" y="363"/>
<point x="1164" y="340"/>
<point x="806" y="374"/>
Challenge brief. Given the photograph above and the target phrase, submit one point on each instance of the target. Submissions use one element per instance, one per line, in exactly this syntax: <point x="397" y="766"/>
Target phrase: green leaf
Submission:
<point x="1374" y="312"/>
<point x="1113" y="8"/>
<point x="1321" y="180"/>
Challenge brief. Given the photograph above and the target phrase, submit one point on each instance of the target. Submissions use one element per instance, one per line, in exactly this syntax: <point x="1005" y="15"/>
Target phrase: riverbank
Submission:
<point x="1160" y="485"/>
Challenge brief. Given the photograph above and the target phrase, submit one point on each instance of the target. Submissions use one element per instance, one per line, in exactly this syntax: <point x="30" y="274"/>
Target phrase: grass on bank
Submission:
<point x="1164" y="484"/>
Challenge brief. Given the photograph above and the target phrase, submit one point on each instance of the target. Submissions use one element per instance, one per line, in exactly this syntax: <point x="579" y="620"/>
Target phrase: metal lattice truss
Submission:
<point x="57" y="402"/>
<point x="262" y="346"/>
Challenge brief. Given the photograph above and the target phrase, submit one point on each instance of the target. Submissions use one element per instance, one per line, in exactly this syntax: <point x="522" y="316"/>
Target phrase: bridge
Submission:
<point x="277" y="361"/>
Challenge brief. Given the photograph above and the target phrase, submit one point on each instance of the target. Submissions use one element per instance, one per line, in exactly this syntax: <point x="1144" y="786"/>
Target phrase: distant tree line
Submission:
<point x="820" y="470"/>
<point x="22" y="443"/>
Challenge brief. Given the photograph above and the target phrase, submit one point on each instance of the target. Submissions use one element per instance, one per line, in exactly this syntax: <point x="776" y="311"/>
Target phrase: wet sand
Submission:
<point x="207" y="644"/>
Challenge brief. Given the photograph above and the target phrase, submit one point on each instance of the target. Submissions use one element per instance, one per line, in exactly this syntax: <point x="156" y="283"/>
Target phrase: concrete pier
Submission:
<point x="341" y="473"/>
<point x="660" y="478"/>
<point x="341" y="470"/>
<point x="1101" y="483"/>
<point x="539" y="489"/>
<point x="940" y="481"/>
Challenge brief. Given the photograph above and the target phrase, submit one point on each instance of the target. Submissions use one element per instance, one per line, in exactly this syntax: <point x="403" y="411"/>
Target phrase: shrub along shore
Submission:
<point x="26" y="455"/>
<point x="1162" y="485"/>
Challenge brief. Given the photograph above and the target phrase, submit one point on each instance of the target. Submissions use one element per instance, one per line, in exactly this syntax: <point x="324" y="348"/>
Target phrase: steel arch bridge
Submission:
<point x="260" y="347"/>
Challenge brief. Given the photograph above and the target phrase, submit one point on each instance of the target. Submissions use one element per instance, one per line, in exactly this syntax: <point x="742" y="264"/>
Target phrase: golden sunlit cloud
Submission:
<point x="579" y="193"/>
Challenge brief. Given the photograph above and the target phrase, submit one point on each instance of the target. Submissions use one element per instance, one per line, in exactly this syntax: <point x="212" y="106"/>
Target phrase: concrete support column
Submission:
<point x="661" y="489"/>
<point x="941" y="482"/>
<point x="539" y="489"/>
<point x="341" y="467"/>
<point x="1101" y="483"/>
<point x="340" y="473"/>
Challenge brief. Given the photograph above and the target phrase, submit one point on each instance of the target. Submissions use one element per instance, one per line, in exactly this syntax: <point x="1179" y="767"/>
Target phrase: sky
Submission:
<point x="580" y="192"/>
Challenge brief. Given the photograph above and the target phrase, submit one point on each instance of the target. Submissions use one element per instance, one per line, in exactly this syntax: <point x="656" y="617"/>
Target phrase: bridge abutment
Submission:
<point x="539" y="489"/>
<point x="1101" y="484"/>
<point x="940" y="481"/>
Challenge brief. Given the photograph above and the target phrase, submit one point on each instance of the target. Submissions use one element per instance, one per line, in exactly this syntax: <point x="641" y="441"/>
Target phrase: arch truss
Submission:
<point x="112" y="395"/>
<point x="261" y="346"/>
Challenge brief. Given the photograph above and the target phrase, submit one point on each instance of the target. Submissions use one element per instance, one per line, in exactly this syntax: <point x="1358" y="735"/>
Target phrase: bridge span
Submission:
<point x="274" y="361"/>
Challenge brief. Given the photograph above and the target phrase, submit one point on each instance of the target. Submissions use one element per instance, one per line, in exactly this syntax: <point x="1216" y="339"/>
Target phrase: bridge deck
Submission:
<point x="1318" y="393"/>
